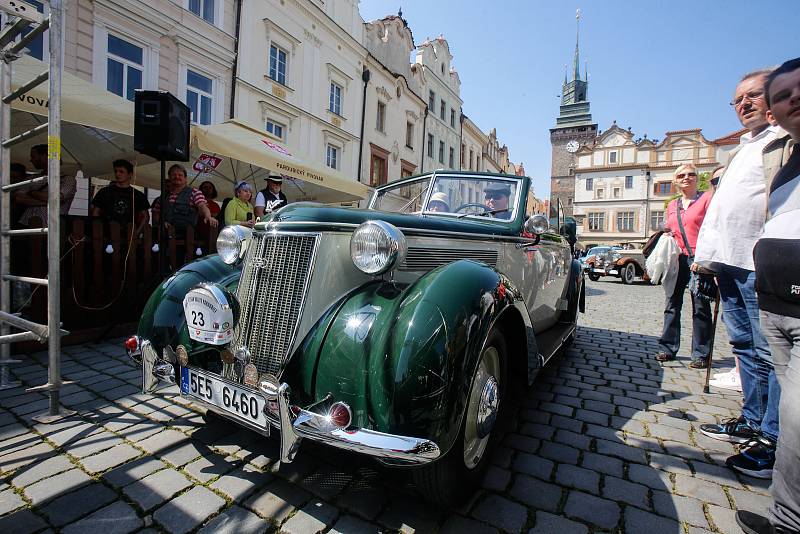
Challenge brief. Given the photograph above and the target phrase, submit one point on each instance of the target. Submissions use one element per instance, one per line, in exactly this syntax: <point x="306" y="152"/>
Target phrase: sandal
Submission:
<point x="664" y="357"/>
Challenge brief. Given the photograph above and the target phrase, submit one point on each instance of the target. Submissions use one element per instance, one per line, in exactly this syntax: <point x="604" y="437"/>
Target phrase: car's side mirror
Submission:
<point x="537" y="224"/>
<point x="570" y="230"/>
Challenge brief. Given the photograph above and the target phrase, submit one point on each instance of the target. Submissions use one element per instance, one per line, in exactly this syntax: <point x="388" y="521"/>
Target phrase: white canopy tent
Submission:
<point x="97" y="128"/>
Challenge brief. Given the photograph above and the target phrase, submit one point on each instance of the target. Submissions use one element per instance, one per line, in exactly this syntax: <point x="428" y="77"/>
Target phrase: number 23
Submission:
<point x="197" y="318"/>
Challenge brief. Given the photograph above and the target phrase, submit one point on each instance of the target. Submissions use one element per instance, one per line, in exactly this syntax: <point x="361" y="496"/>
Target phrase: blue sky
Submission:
<point x="654" y="66"/>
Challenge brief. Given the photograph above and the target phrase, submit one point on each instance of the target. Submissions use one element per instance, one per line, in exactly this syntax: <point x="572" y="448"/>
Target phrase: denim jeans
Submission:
<point x="740" y="313"/>
<point x="670" y="340"/>
<point x="783" y="334"/>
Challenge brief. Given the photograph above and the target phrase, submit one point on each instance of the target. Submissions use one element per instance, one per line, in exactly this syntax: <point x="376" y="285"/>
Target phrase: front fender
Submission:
<point x="162" y="320"/>
<point x="403" y="357"/>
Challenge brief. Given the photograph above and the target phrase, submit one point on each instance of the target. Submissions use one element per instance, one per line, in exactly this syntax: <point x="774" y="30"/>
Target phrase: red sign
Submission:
<point x="206" y="163"/>
<point x="276" y="147"/>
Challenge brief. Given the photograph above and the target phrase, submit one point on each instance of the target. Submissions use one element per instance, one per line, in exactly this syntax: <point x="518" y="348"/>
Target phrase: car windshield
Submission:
<point x="597" y="250"/>
<point x="452" y="195"/>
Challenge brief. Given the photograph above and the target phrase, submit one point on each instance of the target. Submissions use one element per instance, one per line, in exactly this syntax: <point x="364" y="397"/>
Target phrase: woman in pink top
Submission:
<point x="691" y="206"/>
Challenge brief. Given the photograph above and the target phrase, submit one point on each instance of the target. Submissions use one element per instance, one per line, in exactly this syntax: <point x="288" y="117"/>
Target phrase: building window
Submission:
<point x="656" y="220"/>
<point x="431" y="100"/>
<point x="380" y="120"/>
<point x="335" y="99"/>
<point x="625" y="221"/>
<point x="332" y="157"/>
<point x="378" y="170"/>
<point x="442" y="107"/>
<point x="612" y="157"/>
<point x="452" y="157"/>
<point x="199" y="97"/>
<point x="125" y="66"/>
<point x="452" y="118"/>
<point x="441" y="152"/>
<point x="600" y="193"/>
<point x="203" y="9"/>
<point x="276" y="129"/>
<point x="463" y="151"/>
<point x="629" y="182"/>
<point x="663" y="188"/>
<point x="617" y="192"/>
<point x="277" y="64"/>
<point x="597" y="222"/>
<point x="471" y="154"/>
<point x="410" y="135"/>
<point x="430" y="145"/>
<point x="589" y="184"/>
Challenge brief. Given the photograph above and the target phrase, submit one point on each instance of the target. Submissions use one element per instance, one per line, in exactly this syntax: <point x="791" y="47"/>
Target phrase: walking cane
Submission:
<point x="711" y="345"/>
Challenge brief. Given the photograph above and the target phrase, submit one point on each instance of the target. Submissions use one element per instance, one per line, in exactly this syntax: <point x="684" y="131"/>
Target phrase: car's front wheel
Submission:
<point x="594" y="277"/>
<point x="451" y="479"/>
<point x="628" y="274"/>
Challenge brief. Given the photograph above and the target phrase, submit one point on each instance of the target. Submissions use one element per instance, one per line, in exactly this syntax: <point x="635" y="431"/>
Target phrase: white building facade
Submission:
<point x="622" y="184"/>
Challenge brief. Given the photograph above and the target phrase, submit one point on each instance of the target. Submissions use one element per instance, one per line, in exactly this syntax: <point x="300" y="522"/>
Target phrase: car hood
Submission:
<point x="315" y="216"/>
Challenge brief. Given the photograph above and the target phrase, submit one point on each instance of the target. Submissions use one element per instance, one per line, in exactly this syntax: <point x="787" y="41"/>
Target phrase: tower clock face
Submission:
<point x="573" y="146"/>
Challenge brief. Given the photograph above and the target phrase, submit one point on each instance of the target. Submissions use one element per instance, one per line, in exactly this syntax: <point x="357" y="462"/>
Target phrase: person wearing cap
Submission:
<point x="239" y="210"/>
<point x="271" y="197"/>
<point x="438" y="202"/>
<point x="496" y="196"/>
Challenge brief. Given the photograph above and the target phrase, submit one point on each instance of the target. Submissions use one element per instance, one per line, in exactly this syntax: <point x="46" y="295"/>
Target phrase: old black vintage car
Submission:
<point x="397" y="331"/>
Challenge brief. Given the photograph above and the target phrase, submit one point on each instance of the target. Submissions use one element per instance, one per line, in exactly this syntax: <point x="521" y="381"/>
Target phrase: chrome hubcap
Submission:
<point x="484" y="401"/>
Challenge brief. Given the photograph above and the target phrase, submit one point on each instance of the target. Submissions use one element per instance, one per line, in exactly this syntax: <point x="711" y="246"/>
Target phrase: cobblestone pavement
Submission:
<point x="606" y="440"/>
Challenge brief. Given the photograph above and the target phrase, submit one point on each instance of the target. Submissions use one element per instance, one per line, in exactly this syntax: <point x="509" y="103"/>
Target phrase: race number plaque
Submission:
<point x="209" y="315"/>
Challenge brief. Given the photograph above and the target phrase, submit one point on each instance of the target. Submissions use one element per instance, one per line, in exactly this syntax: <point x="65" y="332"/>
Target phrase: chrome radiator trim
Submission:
<point x="271" y="292"/>
<point x="429" y="258"/>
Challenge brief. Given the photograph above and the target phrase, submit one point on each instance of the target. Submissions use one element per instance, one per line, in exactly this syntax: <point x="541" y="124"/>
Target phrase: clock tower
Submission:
<point x="574" y="129"/>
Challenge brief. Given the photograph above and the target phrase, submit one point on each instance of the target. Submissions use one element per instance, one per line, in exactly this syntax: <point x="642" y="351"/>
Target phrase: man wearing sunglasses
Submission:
<point x="733" y="223"/>
<point x="496" y="196"/>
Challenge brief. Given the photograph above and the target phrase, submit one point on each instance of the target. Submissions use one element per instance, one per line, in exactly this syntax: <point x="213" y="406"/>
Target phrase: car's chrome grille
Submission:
<point x="427" y="258"/>
<point x="274" y="279"/>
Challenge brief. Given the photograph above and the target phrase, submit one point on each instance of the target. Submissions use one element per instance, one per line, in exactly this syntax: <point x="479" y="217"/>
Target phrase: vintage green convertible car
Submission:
<point x="398" y="331"/>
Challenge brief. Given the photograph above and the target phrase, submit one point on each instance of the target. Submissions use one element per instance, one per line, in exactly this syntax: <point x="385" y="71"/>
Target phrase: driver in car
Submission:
<point x="496" y="196"/>
<point x="438" y="202"/>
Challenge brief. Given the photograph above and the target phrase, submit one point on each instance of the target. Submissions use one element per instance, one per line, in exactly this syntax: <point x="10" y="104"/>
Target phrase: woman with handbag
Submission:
<point x="684" y="217"/>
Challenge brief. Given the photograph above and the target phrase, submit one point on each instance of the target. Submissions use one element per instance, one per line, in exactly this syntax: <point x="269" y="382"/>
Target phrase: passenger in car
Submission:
<point x="496" y="196"/>
<point x="438" y="202"/>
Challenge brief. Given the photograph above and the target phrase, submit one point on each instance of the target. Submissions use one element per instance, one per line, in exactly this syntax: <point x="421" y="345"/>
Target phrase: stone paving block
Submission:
<point x="240" y="482"/>
<point x="278" y="500"/>
<point x="52" y="487"/>
<point x="75" y="432"/>
<point x="603" y="432"/>
<point x="669" y="463"/>
<point x="622" y="451"/>
<point x="40" y="470"/>
<point x="700" y="489"/>
<point x="640" y="521"/>
<point x="722" y="475"/>
<point x="162" y="441"/>
<point x="602" y="464"/>
<point x="129" y="473"/>
<point x="557" y="409"/>
<point x="189" y="510"/>
<point x="670" y="433"/>
<point x="456" y="524"/>
<point x="67" y="508"/>
<point x="578" y="477"/>
<point x="589" y="416"/>
<point x="650" y="477"/>
<point x="645" y="444"/>
<point x="559" y="452"/>
<point x="120" y="515"/>
<point x="315" y="517"/>
<point x="600" y="512"/>
<point x="748" y="500"/>
<point x="113" y="457"/>
<point x="501" y="513"/>
<point x="235" y="520"/>
<point x="92" y="444"/>
<point x="620" y="490"/>
<point x="185" y="452"/>
<point x="365" y="498"/>
<point x="410" y="514"/>
<point x="140" y="431"/>
<point x="724" y="518"/>
<point x="9" y="501"/>
<point x="534" y="416"/>
<point x="549" y="524"/>
<point x="567" y="423"/>
<point x="533" y="465"/>
<point x="573" y="439"/>
<point x="27" y="455"/>
<point x="10" y="431"/>
<point x="155" y="489"/>
<point x="352" y="525"/>
<point x="521" y="443"/>
<point x="535" y="493"/>
<point x="22" y="521"/>
<point x="680" y="508"/>
<point x="207" y="468"/>
<point x="496" y="479"/>
<point x="537" y="430"/>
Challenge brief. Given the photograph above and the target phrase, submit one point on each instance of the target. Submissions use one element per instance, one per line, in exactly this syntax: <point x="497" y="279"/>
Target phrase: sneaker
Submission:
<point x="753" y="523"/>
<point x="757" y="460"/>
<point x="701" y="363"/>
<point x="732" y="431"/>
<point x="664" y="357"/>
<point x="727" y="381"/>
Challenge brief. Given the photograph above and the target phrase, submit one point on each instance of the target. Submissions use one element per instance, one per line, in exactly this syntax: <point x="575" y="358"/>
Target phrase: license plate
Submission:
<point x="233" y="399"/>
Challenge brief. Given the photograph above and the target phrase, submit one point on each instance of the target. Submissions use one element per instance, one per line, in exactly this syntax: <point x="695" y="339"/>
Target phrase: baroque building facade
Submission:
<point x="622" y="183"/>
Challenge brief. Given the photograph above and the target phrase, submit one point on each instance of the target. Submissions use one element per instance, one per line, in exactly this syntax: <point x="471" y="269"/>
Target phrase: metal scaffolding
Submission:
<point x="25" y="17"/>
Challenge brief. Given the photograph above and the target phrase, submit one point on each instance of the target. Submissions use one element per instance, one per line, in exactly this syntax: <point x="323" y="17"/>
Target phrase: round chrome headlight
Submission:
<point x="232" y="243"/>
<point x="376" y="247"/>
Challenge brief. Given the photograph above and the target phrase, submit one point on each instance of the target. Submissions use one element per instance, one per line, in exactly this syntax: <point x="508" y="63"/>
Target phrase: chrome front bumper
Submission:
<point x="295" y="423"/>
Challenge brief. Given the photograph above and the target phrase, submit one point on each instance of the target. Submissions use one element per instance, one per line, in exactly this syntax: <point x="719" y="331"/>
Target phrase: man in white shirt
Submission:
<point x="732" y="225"/>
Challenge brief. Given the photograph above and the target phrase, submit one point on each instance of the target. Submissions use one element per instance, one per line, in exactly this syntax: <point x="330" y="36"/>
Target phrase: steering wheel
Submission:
<point x="472" y="205"/>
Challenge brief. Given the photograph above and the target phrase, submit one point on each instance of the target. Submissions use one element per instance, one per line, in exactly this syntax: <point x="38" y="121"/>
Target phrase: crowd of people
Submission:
<point x="742" y="238"/>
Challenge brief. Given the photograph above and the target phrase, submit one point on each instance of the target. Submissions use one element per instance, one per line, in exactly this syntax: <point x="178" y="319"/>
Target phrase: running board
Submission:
<point x="552" y="340"/>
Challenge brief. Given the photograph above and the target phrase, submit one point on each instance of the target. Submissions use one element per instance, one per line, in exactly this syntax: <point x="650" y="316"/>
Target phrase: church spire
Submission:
<point x="576" y="75"/>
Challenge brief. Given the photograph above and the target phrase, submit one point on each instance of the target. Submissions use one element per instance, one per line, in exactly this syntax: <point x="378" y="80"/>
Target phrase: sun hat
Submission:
<point x="275" y="177"/>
